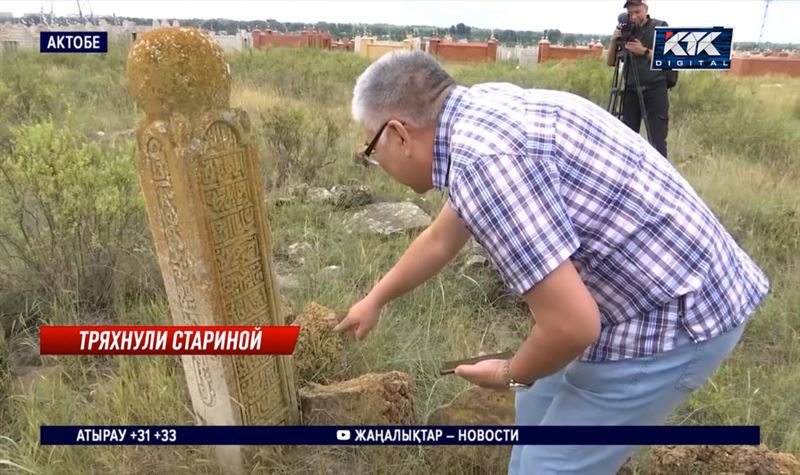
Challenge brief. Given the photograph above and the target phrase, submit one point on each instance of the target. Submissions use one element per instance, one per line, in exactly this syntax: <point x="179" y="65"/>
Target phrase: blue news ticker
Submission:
<point x="73" y="42"/>
<point x="400" y="435"/>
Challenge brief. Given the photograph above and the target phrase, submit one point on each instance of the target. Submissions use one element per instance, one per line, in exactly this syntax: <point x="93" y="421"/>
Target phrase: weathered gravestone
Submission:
<point x="203" y="188"/>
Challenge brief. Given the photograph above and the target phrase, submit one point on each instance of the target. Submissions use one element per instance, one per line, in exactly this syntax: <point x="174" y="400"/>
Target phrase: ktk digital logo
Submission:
<point x="692" y="48"/>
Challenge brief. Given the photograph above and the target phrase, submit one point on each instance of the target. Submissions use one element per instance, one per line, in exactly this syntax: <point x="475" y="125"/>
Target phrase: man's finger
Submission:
<point x="343" y="325"/>
<point x="468" y="372"/>
<point x="361" y="332"/>
<point x="465" y="370"/>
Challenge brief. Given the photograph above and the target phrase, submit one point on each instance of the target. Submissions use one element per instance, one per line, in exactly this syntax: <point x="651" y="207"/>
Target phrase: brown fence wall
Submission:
<point x="463" y="52"/>
<point x="764" y="65"/>
<point x="304" y="39"/>
<point x="549" y="52"/>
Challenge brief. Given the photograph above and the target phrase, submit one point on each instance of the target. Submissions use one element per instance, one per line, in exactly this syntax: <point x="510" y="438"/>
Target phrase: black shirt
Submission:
<point x="647" y="78"/>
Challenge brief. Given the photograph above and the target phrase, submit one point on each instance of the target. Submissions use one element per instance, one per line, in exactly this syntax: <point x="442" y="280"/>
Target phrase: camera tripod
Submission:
<point x="617" y="92"/>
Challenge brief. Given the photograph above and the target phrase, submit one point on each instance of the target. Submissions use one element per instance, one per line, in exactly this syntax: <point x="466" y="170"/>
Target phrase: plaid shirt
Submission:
<point x="541" y="176"/>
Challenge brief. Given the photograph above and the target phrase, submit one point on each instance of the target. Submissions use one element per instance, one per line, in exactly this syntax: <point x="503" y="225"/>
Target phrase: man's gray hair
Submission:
<point x="403" y="85"/>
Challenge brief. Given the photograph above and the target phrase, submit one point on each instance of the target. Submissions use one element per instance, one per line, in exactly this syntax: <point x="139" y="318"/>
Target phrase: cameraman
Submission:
<point x="638" y="37"/>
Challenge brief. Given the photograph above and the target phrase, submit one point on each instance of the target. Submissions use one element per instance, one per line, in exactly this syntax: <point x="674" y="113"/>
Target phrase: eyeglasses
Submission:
<point x="365" y="155"/>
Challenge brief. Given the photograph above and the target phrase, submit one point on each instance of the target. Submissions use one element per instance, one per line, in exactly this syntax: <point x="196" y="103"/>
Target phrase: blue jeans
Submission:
<point x="637" y="391"/>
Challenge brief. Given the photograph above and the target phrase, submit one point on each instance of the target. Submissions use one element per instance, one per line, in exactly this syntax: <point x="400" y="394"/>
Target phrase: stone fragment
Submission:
<point x="388" y="218"/>
<point x="318" y="355"/>
<point x="371" y="399"/>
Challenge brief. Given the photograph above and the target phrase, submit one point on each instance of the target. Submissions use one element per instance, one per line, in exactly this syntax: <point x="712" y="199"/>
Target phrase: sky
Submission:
<point x="569" y="16"/>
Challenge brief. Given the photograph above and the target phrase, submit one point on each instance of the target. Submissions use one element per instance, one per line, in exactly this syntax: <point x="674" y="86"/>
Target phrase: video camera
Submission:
<point x="625" y="26"/>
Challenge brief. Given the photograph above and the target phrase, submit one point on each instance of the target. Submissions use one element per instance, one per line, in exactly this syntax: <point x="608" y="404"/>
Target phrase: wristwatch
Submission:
<point x="647" y="51"/>
<point x="510" y="383"/>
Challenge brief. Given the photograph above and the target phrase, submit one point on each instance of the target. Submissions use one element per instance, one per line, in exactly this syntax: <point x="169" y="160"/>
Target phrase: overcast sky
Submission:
<point x="569" y="16"/>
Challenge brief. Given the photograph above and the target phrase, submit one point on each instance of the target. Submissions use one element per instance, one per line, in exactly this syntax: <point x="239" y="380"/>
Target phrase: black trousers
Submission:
<point x="656" y="103"/>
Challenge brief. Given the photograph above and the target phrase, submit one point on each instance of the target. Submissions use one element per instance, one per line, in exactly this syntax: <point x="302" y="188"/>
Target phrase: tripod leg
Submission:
<point x="615" y="97"/>
<point x="642" y="107"/>
<point x="631" y="115"/>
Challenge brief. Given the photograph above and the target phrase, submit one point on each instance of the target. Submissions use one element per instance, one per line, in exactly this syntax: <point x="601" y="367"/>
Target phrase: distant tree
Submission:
<point x="506" y="36"/>
<point x="553" y="35"/>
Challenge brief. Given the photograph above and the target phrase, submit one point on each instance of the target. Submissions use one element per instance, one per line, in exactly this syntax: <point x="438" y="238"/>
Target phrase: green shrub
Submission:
<point x="299" y="143"/>
<point x="69" y="209"/>
<point x="24" y="100"/>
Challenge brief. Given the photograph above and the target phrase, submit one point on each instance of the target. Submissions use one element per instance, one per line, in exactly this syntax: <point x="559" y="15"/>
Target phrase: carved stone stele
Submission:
<point x="202" y="184"/>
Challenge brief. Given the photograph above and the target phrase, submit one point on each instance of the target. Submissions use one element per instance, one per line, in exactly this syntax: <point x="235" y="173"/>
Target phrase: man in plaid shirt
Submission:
<point x="638" y="291"/>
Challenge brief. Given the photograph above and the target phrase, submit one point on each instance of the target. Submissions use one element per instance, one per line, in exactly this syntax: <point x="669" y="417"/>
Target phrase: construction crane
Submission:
<point x="763" y="23"/>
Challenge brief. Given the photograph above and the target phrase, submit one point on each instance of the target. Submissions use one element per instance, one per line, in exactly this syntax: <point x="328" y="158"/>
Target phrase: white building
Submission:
<point x="241" y="40"/>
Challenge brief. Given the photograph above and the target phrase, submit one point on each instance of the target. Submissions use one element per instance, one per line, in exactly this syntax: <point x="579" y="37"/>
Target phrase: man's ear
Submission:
<point x="401" y="131"/>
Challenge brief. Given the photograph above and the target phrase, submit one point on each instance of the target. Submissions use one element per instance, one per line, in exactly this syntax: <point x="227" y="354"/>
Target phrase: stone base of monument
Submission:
<point x="370" y="399"/>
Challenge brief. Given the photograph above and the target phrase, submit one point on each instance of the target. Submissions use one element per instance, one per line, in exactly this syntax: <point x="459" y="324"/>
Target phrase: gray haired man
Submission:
<point x="638" y="291"/>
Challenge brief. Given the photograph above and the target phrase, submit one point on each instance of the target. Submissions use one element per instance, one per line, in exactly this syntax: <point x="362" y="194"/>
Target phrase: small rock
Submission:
<point x="298" y="191"/>
<point x="291" y="195"/>
<point x="371" y="399"/>
<point x="318" y="356"/>
<point x="476" y="406"/>
<point x="320" y="196"/>
<point x="23" y="352"/>
<point x="388" y="218"/>
<point x="283" y="200"/>
<point x="332" y="271"/>
<point x="287" y="281"/>
<point x="351" y="196"/>
<point x="25" y="378"/>
<point x="296" y="251"/>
